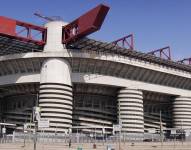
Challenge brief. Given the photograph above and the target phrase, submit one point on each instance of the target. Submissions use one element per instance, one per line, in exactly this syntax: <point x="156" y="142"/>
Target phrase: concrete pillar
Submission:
<point x="130" y="110"/>
<point x="55" y="96"/>
<point x="182" y="112"/>
<point x="54" y="37"/>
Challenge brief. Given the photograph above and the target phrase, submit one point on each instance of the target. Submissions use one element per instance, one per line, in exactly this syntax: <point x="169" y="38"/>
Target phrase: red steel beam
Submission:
<point x="8" y="27"/>
<point x="186" y="61"/>
<point x="164" y="52"/>
<point x="85" y="24"/>
<point x="125" y="42"/>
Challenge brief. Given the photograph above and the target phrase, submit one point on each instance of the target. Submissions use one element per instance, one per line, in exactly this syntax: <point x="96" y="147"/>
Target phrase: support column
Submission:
<point x="55" y="95"/>
<point x="182" y="112"/>
<point x="130" y="110"/>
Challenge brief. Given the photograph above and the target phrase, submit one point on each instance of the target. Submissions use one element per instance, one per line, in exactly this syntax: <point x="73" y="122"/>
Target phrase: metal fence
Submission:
<point x="88" y="138"/>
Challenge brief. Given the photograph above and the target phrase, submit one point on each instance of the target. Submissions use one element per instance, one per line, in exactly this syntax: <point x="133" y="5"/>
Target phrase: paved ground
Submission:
<point x="100" y="146"/>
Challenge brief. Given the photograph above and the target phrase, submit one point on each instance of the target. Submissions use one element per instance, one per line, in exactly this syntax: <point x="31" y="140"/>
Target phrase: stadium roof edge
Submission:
<point x="99" y="46"/>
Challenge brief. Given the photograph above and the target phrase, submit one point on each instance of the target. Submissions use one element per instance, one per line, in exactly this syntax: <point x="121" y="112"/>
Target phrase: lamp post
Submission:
<point x="120" y="123"/>
<point x="161" y="130"/>
<point x="182" y="131"/>
<point x="36" y="118"/>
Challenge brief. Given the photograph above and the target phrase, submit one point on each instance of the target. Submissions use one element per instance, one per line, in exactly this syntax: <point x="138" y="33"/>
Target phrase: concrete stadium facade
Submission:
<point x="89" y="84"/>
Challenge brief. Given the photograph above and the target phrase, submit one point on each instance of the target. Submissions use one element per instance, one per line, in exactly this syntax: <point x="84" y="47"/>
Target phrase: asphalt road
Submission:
<point x="99" y="146"/>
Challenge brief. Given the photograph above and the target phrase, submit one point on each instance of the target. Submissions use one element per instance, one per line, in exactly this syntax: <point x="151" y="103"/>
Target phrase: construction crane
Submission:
<point x="54" y="18"/>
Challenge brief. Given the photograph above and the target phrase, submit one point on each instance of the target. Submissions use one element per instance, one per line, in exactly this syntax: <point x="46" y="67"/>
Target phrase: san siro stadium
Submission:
<point x="89" y="85"/>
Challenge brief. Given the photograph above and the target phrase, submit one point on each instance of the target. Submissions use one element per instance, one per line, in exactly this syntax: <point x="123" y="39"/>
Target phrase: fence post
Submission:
<point x="13" y="137"/>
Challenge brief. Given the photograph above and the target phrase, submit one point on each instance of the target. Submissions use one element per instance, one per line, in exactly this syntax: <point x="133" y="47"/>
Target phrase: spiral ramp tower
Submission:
<point x="182" y="112"/>
<point x="55" y="94"/>
<point x="130" y="110"/>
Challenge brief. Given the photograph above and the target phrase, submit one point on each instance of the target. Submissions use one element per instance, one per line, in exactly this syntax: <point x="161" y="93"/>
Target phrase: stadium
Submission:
<point x="85" y="84"/>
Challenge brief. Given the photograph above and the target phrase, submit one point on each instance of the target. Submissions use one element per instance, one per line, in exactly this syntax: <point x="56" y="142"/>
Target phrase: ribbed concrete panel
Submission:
<point x="56" y="105"/>
<point x="182" y="112"/>
<point x="130" y="110"/>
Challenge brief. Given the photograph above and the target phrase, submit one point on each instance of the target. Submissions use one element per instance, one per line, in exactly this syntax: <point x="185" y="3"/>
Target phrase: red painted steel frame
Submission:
<point x="85" y="24"/>
<point x="162" y="52"/>
<point x="186" y="61"/>
<point x="8" y="28"/>
<point x="126" y="41"/>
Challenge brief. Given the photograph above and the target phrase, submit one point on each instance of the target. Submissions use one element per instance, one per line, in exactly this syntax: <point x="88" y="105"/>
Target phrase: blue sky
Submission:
<point x="155" y="23"/>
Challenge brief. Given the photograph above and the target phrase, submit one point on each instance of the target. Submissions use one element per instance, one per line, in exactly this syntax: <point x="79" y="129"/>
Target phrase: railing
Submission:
<point x="19" y="137"/>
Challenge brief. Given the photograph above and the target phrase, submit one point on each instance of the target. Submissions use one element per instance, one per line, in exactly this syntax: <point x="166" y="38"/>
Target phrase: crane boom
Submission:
<point x="43" y="16"/>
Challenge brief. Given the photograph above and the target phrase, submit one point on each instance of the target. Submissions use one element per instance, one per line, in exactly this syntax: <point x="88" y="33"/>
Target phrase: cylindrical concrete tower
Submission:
<point x="55" y="96"/>
<point x="130" y="110"/>
<point x="182" y="112"/>
<point x="54" y="37"/>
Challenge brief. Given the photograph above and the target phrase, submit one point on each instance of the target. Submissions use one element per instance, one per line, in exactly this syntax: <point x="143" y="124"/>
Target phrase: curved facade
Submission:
<point x="90" y="85"/>
<point x="94" y="106"/>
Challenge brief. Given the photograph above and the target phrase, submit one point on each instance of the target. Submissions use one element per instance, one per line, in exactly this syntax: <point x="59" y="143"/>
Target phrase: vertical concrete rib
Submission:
<point x="130" y="110"/>
<point x="182" y="112"/>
